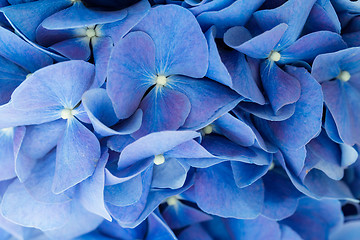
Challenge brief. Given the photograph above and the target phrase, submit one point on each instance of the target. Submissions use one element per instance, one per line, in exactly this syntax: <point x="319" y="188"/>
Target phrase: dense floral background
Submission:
<point x="190" y="120"/>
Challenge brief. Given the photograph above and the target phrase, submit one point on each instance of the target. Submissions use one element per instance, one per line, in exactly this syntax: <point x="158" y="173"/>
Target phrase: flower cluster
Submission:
<point x="194" y="119"/>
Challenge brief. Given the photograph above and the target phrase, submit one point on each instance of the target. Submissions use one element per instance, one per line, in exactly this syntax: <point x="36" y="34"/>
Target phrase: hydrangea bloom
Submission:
<point x="165" y="119"/>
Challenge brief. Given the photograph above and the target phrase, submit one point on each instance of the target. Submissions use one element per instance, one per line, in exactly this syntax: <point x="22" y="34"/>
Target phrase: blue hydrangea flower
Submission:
<point x="167" y="62"/>
<point x="338" y="74"/>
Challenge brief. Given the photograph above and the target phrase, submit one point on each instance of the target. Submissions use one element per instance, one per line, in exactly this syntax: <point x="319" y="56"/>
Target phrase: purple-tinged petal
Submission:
<point x="171" y="174"/>
<point x="131" y="72"/>
<point x="158" y="229"/>
<point x="281" y="88"/>
<point x="181" y="47"/>
<point x="235" y="129"/>
<point x="259" y="46"/>
<point x="307" y="116"/>
<point x="90" y="192"/>
<point x="217" y="70"/>
<point x="293" y="12"/>
<point x="209" y="100"/>
<point x="164" y="109"/>
<point x="178" y="215"/>
<point x="153" y="144"/>
<point x="74" y="48"/>
<point x="15" y="48"/>
<point x="281" y="197"/>
<point x="61" y="84"/>
<point x="77" y="155"/>
<point x="32" y="213"/>
<point x="243" y="80"/>
<point x="217" y="193"/>
<point x="78" y="16"/>
<point x="28" y="16"/>
<point x="311" y="45"/>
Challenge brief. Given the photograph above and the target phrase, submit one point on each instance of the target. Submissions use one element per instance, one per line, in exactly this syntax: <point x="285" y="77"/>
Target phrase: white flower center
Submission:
<point x="66" y="113"/>
<point x="29" y="75"/>
<point x="274" y="56"/>
<point x="161" y="80"/>
<point x="171" y="201"/>
<point x="90" y="32"/>
<point x="272" y="165"/>
<point x="344" y="76"/>
<point x="7" y="131"/>
<point x="208" y="129"/>
<point x="159" y="159"/>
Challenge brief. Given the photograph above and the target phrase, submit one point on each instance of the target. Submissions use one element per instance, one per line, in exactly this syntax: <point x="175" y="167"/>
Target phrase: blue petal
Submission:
<point x="243" y="78"/>
<point x="217" y="70"/>
<point x="28" y="16"/>
<point x="217" y="193"/>
<point x="78" y="223"/>
<point x="180" y="215"/>
<point x="181" y="46"/>
<point x="209" y="100"/>
<point x="259" y="46"/>
<point x="125" y="193"/>
<point x="77" y="154"/>
<point x="311" y="45"/>
<point x="102" y="115"/>
<point x="164" y="109"/>
<point x="254" y="229"/>
<point x="158" y="229"/>
<point x="38" y="184"/>
<point x="131" y="72"/>
<point x="349" y="231"/>
<point x="235" y="130"/>
<point x="275" y="81"/>
<point x="74" y="48"/>
<point x="281" y="197"/>
<point x="90" y="192"/>
<point x="37" y="142"/>
<point x="246" y="174"/>
<point x="229" y="16"/>
<point x="153" y="144"/>
<point x="15" y="49"/>
<point x="7" y="162"/>
<point x="78" y="16"/>
<point x="48" y="89"/>
<point x="293" y="12"/>
<point x="32" y="213"/>
<point x="171" y="174"/>
<point x="322" y="216"/>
